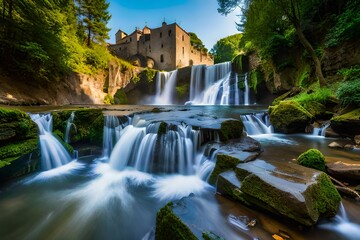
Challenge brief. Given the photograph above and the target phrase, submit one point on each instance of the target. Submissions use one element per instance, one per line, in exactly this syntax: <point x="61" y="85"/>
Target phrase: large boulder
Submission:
<point x="345" y="171"/>
<point x="286" y="189"/>
<point x="347" y="124"/>
<point x="231" y="129"/>
<point x="289" y="117"/>
<point x="19" y="153"/>
<point x="230" y="154"/>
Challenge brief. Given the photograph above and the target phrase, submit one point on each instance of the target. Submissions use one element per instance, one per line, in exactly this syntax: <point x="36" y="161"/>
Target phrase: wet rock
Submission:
<point x="347" y="124"/>
<point x="19" y="153"/>
<point x="232" y="153"/>
<point x="89" y="124"/>
<point x="231" y="129"/>
<point x="288" y="189"/>
<point x="335" y="145"/>
<point x="312" y="158"/>
<point x="349" y="147"/>
<point x="289" y="117"/>
<point x="345" y="171"/>
<point x="357" y="139"/>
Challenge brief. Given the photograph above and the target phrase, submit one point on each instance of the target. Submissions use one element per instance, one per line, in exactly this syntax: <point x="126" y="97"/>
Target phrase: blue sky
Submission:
<point x="199" y="16"/>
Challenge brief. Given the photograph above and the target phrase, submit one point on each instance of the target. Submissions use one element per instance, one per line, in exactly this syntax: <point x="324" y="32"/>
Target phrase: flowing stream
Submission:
<point x="146" y="164"/>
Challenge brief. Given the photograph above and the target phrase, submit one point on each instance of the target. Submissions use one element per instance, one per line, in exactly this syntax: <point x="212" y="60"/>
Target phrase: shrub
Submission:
<point x="312" y="158"/>
<point x="349" y="93"/>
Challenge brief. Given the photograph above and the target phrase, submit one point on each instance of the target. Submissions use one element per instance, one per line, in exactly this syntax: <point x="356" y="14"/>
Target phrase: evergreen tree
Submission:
<point x="93" y="17"/>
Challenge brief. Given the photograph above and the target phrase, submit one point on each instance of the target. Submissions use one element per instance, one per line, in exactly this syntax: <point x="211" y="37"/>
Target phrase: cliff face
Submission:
<point x="72" y="89"/>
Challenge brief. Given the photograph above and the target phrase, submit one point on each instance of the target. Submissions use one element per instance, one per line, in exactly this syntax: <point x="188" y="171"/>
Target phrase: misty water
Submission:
<point x="114" y="196"/>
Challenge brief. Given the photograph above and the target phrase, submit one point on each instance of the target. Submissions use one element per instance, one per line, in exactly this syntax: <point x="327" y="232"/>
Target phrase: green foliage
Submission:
<point x="349" y="93"/>
<point x="350" y="73"/>
<point x="108" y="99"/>
<point x="135" y="79"/>
<point x="256" y="77"/>
<point x="350" y="116"/>
<point x="312" y="158"/>
<point x="226" y="49"/>
<point x="347" y="26"/>
<point x="238" y="63"/>
<point x="149" y="74"/>
<point x="120" y="97"/>
<point x="196" y="42"/>
<point x="321" y="95"/>
<point x="182" y="90"/>
<point x="304" y="79"/>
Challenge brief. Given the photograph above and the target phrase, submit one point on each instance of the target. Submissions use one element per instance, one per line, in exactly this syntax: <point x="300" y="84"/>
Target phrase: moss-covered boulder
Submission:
<point x="347" y="124"/>
<point x="170" y="226"/>
<point x="89" y="125"/>
<point x="289" y="190"/>
<point x="312" y="158"/>
<point x="289" y="117"/>
<point x="231" y="153"/>
<point x="231" y="129"/>
<point x="19" y="153"/>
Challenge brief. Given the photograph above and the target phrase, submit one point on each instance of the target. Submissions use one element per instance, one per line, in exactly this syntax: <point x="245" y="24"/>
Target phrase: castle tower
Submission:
<point x="119" y="36"/>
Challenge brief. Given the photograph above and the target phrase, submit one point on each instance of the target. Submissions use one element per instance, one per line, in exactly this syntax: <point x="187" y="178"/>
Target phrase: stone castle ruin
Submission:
<point x="165" y="48"/>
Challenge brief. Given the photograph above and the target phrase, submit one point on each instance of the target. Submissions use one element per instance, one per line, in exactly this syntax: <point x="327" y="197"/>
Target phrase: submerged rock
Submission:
<point x="289" y="117"/>
<point x="19" y="153"/>
<point x="357" y="139"/>
<point x="344" y="171"/>
<point x="286" y="189"/>
<point x="312" y="158"/>
<point x="347" y="124"/>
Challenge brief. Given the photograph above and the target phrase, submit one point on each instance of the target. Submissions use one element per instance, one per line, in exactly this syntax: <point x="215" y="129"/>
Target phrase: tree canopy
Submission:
<point x="196" y="42"/>
<point x="226" y="48"/>
<point x="45" y="39"/>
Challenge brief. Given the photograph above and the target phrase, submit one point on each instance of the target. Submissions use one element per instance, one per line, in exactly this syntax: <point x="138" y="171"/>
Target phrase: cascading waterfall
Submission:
<point x="216" y="84"/>
<point x="321" y="130"/>
<point x="146" y="150"/>
<point x="257" y="123"/>
<point x="165" y="87"/>
<point x="69" y="124"/>
<point x="53" y="154"/>
<point x="246" y="91"/>
<point x="112" y="131"/>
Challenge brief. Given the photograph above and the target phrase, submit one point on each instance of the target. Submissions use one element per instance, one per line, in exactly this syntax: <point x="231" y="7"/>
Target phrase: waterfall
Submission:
<point x="112" y="131"/>
<point x="145" y="150"/>
<point x="165" y="87"/>
<point x="246" y="91"/>
<point x="343" y="225"/>
<point x="68" y="126"/>
<point x="321" y="130"/>
<point x="256" y="124"/>
<point x="196" y="83"/>
<point x="53" y="153"/>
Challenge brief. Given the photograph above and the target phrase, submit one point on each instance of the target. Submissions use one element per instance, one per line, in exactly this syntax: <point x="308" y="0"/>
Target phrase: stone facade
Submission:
<point x="166" y="48"/>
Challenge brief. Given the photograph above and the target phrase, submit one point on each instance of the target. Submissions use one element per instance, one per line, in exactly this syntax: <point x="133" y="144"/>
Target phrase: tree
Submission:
<point x="293" y="11"/>
<point x="196" y="42"/>
<point x="93" y="17"/>
<point x="226" y="48"/>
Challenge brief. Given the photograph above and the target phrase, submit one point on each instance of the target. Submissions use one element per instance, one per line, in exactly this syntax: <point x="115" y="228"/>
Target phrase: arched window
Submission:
<point x="161" y="58"/>
<point x="169" y="33"/>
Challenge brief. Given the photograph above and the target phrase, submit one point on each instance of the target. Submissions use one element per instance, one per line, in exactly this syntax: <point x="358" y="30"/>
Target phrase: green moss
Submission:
<point x="256" y="77"/>
<point x="169" y="226"/>
<point x="289" y="116"/>
<point x="349" y="93"/>
<point x="120" y="97"/>
<point x="210" y="236"/>
<point x="162" y="128"/>
<point x="286" y="95"/>
<point x="231" y="129"/>
<point x="312" y="158"/>
<point x="350" y="116"/>
<point x="327" y="198"/>
<point x="135" y="79"/>
<point x="149" y="74"/>
<point x="13" y="151"/>
<point x="182" y="90"/>
<point x="89" y="123"/>
<point x="223" y="163"/>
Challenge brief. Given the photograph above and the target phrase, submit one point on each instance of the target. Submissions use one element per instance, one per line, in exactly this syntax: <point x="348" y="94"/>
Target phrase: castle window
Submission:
<point x="183" y="51"/>
<point x="130" y="39"/>
<point x="120" y="48"/>
<point x="169" y="33"/>
<point x="183" y="37"/>
<point x="162" y="45"/>
<point x="160" y="34"/>
<point x="149" y="48"/>
<point x="161" y="58"/>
